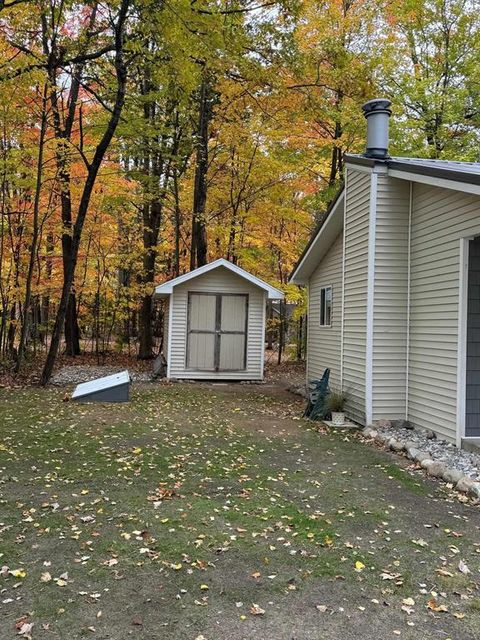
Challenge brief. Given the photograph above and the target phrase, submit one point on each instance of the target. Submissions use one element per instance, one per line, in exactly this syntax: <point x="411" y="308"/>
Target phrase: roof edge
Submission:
<point x="316" y="233"/>
<point x="166" y="288"/>
<point x="396" y="164"/>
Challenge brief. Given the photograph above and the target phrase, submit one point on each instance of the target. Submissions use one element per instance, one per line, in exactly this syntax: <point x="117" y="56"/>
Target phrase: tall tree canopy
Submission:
<point x="142" y="138"/>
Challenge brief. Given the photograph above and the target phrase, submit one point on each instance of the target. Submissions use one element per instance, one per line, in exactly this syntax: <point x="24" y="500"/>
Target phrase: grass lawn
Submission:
<point x="214" y="512"/>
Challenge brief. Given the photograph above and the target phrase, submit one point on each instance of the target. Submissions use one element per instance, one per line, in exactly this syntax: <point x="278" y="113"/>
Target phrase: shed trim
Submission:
<point x="167" y="287"/>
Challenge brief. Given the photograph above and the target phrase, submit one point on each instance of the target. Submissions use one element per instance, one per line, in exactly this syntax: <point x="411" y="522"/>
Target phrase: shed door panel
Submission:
<point x="232" y="352"/>
<point x="234" y="313"/>
<point x="202" y="313"/>
<point x="217" y="331"/>
<point x="202" y="351"/>
<point x="233" y="329"/>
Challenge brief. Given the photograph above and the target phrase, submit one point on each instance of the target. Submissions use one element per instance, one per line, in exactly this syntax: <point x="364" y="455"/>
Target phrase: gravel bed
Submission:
<point x="439" y="458"/>
<point x="439" y="450"/>
<point x="75" y="374"/>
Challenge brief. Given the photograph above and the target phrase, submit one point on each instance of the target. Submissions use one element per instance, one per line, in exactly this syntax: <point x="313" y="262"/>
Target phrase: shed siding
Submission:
<point x="440" y="218"/>
<point x="219" y="280"/>
<point x="323" y="343"/>
<point x="390" y="299"/>
<point x="355" y="296"/>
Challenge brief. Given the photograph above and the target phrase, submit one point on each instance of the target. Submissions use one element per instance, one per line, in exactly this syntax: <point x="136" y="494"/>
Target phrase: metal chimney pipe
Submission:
<point x="377" y="113"/>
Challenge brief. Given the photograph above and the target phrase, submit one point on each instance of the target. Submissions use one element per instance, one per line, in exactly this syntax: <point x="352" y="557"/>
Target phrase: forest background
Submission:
<point x="142" y="138"/>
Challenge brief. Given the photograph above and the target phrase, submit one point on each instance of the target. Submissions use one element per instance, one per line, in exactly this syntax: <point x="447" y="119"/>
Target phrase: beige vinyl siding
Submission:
<point x="323" y="343"/>
<point x="440" y="218"/>
<point x="355" y="295"/>
<point x="390" y="299"/>
<point x="219" y="280"/>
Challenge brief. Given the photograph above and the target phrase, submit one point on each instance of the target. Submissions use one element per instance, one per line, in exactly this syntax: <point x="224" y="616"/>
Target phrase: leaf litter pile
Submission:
<point x="214" y="512"/>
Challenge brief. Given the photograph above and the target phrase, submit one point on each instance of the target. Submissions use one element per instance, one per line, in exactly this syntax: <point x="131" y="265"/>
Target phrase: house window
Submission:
<point x="325" y="306"/>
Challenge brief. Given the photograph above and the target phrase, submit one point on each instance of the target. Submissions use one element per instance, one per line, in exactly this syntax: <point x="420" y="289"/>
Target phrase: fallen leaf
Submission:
<point x="255" y="610"/>
<point x="434" y="606"/>
<point x="463" y="568"/>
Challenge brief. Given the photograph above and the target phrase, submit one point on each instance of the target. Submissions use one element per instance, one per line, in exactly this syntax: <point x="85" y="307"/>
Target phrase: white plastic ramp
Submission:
<point x="114" y="388"/>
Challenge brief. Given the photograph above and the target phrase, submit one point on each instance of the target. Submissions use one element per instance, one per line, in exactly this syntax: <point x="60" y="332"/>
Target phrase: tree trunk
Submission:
<point x="281" y="331"/>
<point x="145" y="337"/>
<point x="35" y="234"/>
<point x="198" y="254"/>
<point x="93" y="169"/>
<point x="72" y="330"/>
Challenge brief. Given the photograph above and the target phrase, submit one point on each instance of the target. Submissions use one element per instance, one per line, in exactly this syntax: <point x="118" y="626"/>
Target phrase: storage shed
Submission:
<point x="215" y="323"/>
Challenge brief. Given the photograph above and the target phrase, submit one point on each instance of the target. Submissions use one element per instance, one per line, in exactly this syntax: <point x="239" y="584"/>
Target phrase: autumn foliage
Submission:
<point x="141" y="138"/>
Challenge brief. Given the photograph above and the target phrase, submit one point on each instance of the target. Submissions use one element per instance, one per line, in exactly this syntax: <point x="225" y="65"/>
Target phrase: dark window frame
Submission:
<point x="326" y="306"/>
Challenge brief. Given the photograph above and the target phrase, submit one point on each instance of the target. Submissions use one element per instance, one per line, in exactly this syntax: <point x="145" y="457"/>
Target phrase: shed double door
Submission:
<point x="217" y="331"/>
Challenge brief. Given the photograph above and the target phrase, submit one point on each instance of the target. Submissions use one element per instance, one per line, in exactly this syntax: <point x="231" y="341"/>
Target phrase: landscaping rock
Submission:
<point x="384" y="424"/>
<point x="412" y="452"/>
<point x="402" y="424"/>
<point x="475" y="490"/>
<point x="465" y="484"/>
<point x="436" y="469"/>
<point x="396" y="445"/>
<point x="426" y="462"/>
<point x="421" y="457"/>
<point x="382" y="438"/>
<point x="366" y="431"/>
<point x="452" y="475"/>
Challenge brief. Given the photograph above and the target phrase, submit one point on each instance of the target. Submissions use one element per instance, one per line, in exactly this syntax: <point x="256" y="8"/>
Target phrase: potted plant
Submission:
<point x="335" y="403"/>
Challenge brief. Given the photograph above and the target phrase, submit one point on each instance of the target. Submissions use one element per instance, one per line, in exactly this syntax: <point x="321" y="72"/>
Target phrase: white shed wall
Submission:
<point x="440" y="218"/>
<point x="323" y="343"/>
<point x="357" y="200"/>
<point x="219" y="280"/>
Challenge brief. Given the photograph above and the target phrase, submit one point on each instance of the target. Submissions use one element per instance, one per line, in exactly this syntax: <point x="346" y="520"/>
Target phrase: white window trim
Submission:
<point x="325" y="326"/>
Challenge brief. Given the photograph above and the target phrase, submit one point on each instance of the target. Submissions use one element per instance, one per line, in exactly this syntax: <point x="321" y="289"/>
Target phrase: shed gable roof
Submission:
<point x="166" y="288"/>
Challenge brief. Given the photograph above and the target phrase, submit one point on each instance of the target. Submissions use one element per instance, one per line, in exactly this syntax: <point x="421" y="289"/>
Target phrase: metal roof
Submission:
<point x="166" y="288"/>
<point x="459" y="171"/>
<point x="100" y="384"/>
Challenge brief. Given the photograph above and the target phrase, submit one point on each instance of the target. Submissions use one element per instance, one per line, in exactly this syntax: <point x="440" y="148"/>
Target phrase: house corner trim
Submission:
<point x="372" y="223"/>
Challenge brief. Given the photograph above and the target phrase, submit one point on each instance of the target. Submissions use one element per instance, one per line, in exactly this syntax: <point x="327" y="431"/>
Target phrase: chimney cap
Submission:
<point x="377" y="105"/>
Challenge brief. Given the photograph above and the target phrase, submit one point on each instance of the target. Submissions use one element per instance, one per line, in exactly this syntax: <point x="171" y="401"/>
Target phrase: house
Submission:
<point x="215" y="323"/>
<point x="393" y="274"/>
